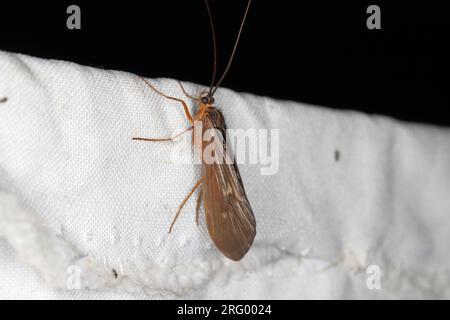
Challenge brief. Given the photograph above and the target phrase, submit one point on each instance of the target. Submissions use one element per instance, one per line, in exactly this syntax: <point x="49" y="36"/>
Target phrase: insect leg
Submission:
<point x="197" y="184"/>
<point x="197" y="209"/>
<point x="186" y="109"/>
<point x="187" y="94"/>
<point x="163" y="139"/>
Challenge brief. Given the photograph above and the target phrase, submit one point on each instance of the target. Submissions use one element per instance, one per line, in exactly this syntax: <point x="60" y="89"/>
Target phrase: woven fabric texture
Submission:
<point x="349" y="191"/>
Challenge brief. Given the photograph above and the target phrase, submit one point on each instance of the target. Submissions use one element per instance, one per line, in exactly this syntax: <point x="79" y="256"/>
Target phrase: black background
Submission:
<point x="318" y="52"/>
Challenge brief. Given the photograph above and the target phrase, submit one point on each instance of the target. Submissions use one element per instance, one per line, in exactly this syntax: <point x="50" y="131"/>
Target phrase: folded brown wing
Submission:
<point x="229" y="216"/>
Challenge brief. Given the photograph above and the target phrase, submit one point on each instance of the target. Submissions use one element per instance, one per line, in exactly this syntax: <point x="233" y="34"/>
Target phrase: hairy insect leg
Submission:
<point x="183" y="103"/>
<point x="197" y="208"/>
<point x="197" y="184"/>
<point x="163" y="139"/>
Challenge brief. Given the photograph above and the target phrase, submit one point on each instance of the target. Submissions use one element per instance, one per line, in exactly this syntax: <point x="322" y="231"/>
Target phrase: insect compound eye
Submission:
<point x="205" y="100"/>
<point x="211" y="100"/>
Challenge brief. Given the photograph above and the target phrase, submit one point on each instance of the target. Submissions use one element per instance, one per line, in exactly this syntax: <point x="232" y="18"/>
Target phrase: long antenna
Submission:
<point x="213" y="33"/>
<point x="234" y="50"/>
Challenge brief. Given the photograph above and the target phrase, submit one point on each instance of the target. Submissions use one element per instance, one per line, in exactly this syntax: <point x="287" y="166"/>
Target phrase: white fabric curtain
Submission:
<point x="358" y="207"/>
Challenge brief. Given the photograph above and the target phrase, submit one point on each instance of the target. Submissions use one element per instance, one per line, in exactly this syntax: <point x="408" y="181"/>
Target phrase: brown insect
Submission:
<point x="229" y="216"/>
